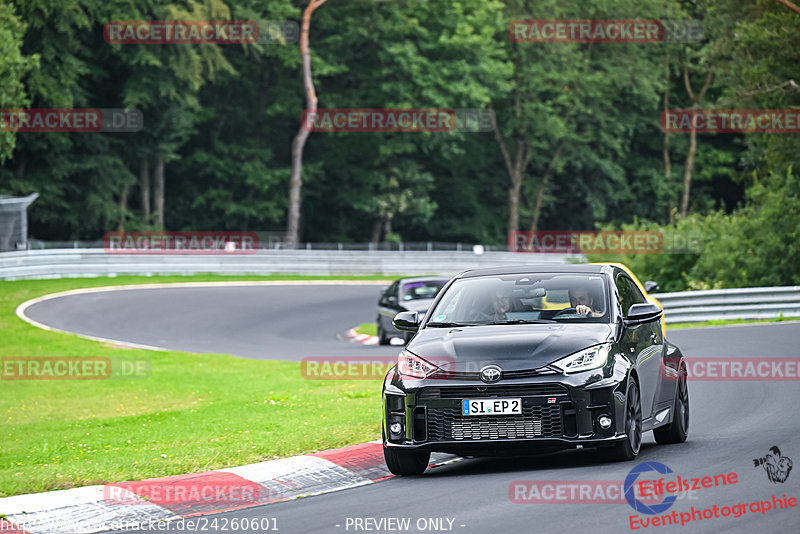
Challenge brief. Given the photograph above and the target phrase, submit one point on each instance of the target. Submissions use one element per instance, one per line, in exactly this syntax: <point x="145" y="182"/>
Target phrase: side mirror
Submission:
<point x="407" y="320"/>
<point x="651" y="286"/>
<point x="391" y="299"/>
<point x="643" y="313"/>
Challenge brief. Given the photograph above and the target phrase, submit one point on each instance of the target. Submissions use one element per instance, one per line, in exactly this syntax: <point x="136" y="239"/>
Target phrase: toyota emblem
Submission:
<point x="491" y="374"/>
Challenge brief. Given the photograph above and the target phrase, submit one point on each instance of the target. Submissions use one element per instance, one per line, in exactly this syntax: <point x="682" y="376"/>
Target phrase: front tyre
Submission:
<point x="382" y="338"/>
<point x="676" y="431"/>
<point x="629" y="448"/>
<point x="402" y="462"/>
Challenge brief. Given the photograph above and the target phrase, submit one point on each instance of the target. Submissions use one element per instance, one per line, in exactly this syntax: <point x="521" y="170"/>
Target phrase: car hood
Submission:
<point x="512" y="347"/>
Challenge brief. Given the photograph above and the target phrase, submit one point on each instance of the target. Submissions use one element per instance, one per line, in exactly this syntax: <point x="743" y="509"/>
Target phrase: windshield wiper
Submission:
<point x="447" y="325"/>
<point x="523" y="321"/>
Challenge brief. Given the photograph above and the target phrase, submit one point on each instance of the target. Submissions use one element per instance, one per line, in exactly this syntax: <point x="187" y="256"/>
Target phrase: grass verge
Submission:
<point x="724" y="322"/>
<point x="369" y="329"/>
<point x="193" y="412"/>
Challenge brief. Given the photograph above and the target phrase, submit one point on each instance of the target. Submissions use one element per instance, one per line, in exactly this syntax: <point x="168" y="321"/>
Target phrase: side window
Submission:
<point x="391" y="291"/>
<point x="624" y="295"/>
<point x="628" y="294"/>
<point x="638" y="298"/>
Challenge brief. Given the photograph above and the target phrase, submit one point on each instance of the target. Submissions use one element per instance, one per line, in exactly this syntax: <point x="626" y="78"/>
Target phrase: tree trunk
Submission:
<point x="667" y="166"/>
<point x="687" y="172"/>
<point x="548" y="175"/>
<point x="296" y="180"/>
<point x="689" y="165"/>
<point x="158" y="184"/>
<point x="20" y="170"/>
<point x="515" y="169"/>
<point x="123" y="208"/>
<point x="144" y="186"/>
<point x="513" y="202"/>
<point x="376" y="231"/>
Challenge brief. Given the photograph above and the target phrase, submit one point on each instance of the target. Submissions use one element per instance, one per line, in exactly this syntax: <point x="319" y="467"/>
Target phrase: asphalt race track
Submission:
<point x="732" y="422"/>
<point x="260" y="322"/>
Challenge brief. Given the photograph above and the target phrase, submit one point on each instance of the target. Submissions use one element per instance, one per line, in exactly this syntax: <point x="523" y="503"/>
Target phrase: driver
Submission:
<point x="497" y="304"/>
<point x="502" y="304"/>
<point x="582" y="300"/>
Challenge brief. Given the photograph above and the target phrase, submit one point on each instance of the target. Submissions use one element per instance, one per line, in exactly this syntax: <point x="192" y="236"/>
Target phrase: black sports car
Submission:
<point x="521" y="360"/>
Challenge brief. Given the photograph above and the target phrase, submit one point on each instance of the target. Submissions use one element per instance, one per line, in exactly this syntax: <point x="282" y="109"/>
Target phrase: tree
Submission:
<point x="573" y="111"/>
<point x="296" y="180"/>
<point x="697" y="99"/>
<point x="13" y="68"/>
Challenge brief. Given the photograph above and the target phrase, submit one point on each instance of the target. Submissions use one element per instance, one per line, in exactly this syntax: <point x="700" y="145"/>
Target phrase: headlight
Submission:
<point x="591" y="358"/>
<point x="411" y="365"/>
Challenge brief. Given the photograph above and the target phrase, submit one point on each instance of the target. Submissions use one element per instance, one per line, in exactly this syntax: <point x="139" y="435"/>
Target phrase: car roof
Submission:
<point x="566" y="268"/>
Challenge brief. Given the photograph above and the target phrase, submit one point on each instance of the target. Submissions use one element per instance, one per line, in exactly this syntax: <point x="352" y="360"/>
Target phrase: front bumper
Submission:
<point x="558" y="413"/>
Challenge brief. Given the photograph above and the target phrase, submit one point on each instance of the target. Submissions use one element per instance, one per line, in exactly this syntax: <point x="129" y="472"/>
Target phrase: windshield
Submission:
<point x="422" y="289"/>
<point x="520" y="298"/>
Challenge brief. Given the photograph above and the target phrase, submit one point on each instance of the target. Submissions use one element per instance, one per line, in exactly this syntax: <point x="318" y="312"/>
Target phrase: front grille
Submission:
<point x="469" y="392"/>
<point x="464" y="375"/>
<point x="535" y="422"/>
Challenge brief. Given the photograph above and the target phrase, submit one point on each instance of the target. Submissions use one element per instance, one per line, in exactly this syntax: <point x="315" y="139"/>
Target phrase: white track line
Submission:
<point x="20" y="311"/>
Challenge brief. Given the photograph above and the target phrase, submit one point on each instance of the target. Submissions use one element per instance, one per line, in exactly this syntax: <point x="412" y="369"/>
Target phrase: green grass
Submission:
<point x="723" y="322"/>
<point x="369" y="329"/>
<point x="193" y="412"/>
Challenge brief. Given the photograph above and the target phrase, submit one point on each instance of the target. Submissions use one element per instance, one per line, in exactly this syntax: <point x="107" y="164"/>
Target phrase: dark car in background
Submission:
<point x="406" y="294"/>
<point x="520" y="360"/>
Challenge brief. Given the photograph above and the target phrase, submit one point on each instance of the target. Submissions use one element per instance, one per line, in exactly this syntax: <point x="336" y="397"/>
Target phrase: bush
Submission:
<point x="756" y="245"/>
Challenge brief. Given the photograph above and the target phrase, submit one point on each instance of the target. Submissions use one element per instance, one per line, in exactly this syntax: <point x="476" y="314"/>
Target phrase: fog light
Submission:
<point x="605" y="422"/>
<point x="395" y="428"/>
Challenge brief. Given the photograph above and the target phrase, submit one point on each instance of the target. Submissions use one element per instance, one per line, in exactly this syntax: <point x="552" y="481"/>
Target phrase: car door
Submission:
<point x="643" y="342"/>
<point x="388" y="307"/>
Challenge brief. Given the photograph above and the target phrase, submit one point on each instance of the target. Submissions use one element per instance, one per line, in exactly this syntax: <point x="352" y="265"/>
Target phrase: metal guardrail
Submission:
<point x="680" y="307"/>
<point x="742" y="303"/>
<point x="267" y="240"/>
<point x="61" y="263"/>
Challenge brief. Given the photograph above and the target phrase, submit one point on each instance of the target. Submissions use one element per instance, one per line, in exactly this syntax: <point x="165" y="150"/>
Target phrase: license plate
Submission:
<point x="491" y="406"/>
